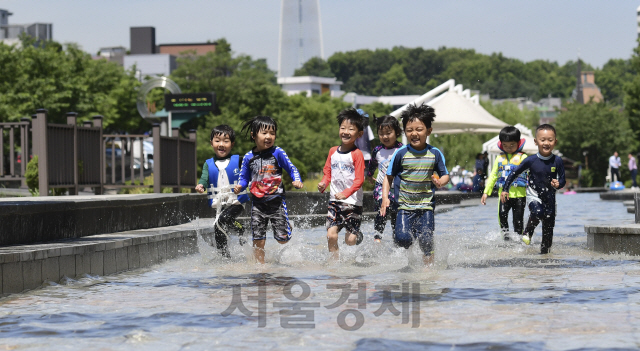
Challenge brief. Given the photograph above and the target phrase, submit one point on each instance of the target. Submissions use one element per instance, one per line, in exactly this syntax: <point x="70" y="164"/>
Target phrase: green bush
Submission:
<point x="32" y="176"/>
<point x="587" y="179"/>
<point x="33" y="180"/>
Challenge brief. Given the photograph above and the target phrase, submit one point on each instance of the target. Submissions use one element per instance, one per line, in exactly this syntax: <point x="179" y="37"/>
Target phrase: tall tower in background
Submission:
<point x="300" y="35"/>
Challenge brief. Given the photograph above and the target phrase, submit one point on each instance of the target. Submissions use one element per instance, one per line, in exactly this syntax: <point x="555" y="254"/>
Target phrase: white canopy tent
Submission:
<point x="491" y="146"/>
<point x="456" y="111"/>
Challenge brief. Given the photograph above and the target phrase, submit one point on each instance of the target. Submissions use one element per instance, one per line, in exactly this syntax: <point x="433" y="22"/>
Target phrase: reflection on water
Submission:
<point x="483" y="293"/>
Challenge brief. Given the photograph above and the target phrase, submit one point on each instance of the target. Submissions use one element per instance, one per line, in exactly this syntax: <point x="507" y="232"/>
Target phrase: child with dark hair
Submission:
<point x="546" y="175"/>
<point x="262" y="172"/>
<point x="220" y="171"/>
<point x="413" y="166"/>
<point x="344" y="170"/>
<point x="511" y="145"/>
<point x="388" y="132"/>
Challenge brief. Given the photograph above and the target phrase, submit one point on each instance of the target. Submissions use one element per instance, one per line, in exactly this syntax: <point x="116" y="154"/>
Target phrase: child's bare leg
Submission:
<point x="332" y="240"/>
<point x="428" y="260"/>
<point x="258" y="250"/>
<point x="350" y="238"/>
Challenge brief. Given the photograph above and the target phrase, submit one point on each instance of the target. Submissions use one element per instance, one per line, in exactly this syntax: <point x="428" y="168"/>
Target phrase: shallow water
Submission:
<point x="482" y="293"/>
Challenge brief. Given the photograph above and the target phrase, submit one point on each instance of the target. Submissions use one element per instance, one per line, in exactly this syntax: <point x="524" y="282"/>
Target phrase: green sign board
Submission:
<point x="190" y="102"/>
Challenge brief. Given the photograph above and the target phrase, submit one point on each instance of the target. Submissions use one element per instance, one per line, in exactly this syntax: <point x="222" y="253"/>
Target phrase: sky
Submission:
<point x="596" y="30"/>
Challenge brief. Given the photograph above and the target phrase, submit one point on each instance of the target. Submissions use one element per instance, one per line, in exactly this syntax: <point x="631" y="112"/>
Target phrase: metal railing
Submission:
<point x="72" y="156"/>
<point x="112" y="143"/>
<point x="178" y="170"/>
<point x="13" y="166"/>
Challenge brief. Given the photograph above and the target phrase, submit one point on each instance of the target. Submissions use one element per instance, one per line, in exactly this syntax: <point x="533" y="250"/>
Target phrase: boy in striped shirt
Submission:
<point x="413" y="166"/>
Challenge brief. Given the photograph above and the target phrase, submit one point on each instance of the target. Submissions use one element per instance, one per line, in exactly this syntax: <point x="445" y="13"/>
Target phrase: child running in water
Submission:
<point x="262" y="172"/>
<point x="511" y="157"/>
<point x="546" y="175"/>
<point x="344" y="170"/>
<point x="414" y="165"/>
<point x="388" y="133"/>
<point x="222" y="170"/>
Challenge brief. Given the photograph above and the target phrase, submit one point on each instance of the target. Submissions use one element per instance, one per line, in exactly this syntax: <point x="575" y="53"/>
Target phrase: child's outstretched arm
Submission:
<point x="386" y="186"/>
<point x="560" y="181"/>
<point x="373" y="165"/>
<point x="326" y="173"/>
<point x="245" y="175"/>
<point x="491" y="181"/>
<point x="440" y="168"/>
<point x="285" y="163"/>
<point x="204" y="179"/>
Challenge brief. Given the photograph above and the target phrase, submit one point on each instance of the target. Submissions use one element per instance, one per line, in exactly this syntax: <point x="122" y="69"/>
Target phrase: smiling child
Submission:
<point x="344" y="170"/>
<point x="222" y="170"/>
<point x="546" y="175"/>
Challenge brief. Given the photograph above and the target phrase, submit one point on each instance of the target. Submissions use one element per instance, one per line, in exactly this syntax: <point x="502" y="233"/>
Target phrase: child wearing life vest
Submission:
<point x="220" y="171"/>
<point x="510" y="158"/>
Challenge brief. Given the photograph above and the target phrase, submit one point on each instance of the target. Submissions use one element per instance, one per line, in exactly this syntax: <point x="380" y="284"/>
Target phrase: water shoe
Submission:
<point x="526" y="239"/>
<point x="377" y="238"/>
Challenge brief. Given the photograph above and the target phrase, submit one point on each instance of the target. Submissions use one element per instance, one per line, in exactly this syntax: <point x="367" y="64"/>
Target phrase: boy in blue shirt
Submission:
<point x="223" y="170"/>
<point x="413" y="166"/>
<point x="546" y="175"/>
<point x="262" y="171"/>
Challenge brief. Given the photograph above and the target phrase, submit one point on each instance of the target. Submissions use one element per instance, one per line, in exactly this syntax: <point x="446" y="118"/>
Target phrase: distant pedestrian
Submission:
<point x="479" y="164"/>
<point x="633" y="169"/>
<point x="614" y="164"/>
<point x="485" y="165"/>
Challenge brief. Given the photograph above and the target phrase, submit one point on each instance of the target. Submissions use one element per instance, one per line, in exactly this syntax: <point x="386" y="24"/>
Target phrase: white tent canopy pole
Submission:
<point x="457" y="110"/>
<point x="448" y="85"/>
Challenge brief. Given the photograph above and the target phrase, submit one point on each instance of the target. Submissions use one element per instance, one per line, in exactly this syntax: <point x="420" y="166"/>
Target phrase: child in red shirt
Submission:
<point x="344" y="170"/>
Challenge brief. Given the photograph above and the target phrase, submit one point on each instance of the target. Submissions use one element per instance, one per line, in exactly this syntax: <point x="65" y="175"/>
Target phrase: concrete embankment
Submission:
<point x="56" y="237"/>
<point x="617" y="238"/>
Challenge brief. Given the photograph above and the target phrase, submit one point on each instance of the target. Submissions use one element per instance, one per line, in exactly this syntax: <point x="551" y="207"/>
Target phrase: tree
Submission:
<point x="597" y="128"/>
<point x="612" y="78"/>
<point x="315" y="67"/>
<point x="367" y="72"/>
<point x="459" y="149"/>
<point x="509" y="113"/>
<point x="393" y="82"/>
<point x="66" y="79"/>
<point x="632" y="91"/>
<point x="245" y="88"/>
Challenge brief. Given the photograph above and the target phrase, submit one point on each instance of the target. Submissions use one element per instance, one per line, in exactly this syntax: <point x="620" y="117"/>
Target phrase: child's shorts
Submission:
<point x="274" y="211"/>
<point x="344" y="215"/>
<point x="377" y="193"/>
<point x="412" y="225"/>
